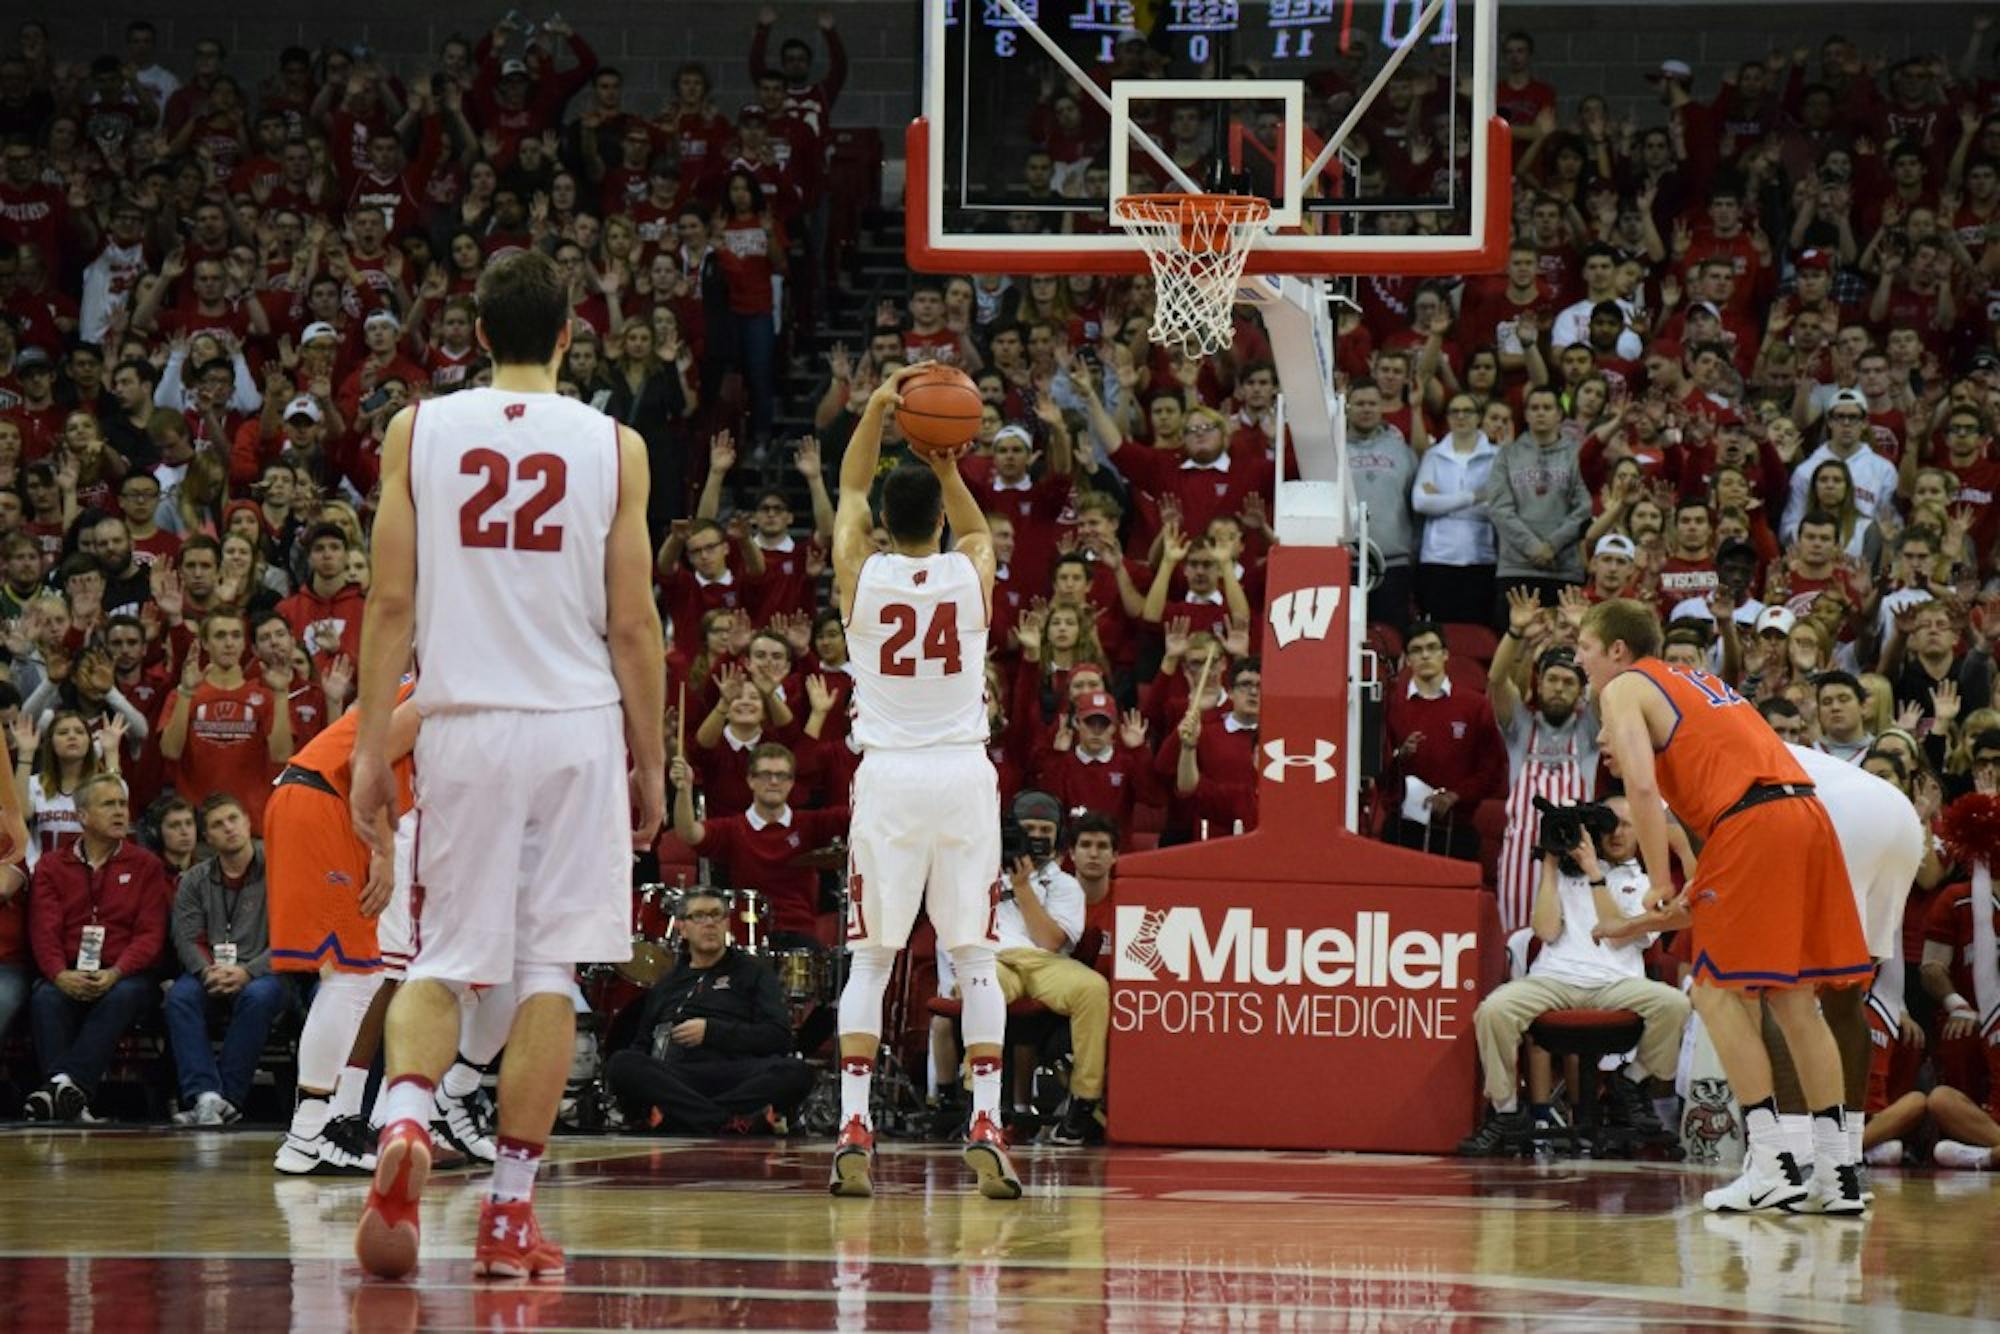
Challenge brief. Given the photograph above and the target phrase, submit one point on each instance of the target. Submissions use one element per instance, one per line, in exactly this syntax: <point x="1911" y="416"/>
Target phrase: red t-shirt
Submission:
<point x="228" y="745"/>
<point x="744" y="250"/>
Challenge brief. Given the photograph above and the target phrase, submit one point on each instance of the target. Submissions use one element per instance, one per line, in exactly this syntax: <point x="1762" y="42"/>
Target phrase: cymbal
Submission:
<point x="829" y="858"/>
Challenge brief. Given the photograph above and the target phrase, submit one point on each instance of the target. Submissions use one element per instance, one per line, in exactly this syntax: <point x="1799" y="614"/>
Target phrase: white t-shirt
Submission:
<point x="1573" y="956"/>
<point x="1062" y="899"/>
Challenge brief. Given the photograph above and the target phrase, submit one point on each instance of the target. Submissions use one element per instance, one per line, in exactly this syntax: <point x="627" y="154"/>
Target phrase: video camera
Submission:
<point x="1565" y="827"/>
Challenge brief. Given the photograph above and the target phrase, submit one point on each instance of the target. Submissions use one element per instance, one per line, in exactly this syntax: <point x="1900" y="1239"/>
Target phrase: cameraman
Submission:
<point x="1038" y="921"/>
<point x="711" y="1054"/>
<point x="1594" y="880"/>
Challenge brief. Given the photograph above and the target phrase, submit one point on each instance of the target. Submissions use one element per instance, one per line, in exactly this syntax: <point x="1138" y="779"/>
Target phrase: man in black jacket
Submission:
<point x="713" y="1049"/>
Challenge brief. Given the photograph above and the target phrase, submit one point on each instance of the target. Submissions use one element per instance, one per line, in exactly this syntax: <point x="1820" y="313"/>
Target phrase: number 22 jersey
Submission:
<point x="514" y="494"/>
<point x="917" y="642"/>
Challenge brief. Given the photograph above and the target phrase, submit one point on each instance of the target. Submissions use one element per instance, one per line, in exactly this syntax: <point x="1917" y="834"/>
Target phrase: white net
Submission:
<point x="1197" y="245"/>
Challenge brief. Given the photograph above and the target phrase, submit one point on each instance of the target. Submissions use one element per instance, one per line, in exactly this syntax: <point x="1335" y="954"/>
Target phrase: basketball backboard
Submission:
<point x="1368" y="124"/>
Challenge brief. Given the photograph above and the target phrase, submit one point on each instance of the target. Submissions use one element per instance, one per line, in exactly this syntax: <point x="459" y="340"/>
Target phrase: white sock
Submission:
<point x="1509" y="1107"/>
<point x="514" y="1170"/>
<point x="1795" y="1136"/>
<point x="1829" y="1138"/>
<point x="1856" y="1123"/>
<point x="857" y="1074"/>
<point x="1965" y="1157"/>
<point x="986" y="1087"/>
<point x="348" y="1092"/>
<point x="460" y="1080"/>
<point x="408" y="1099"/>
<point x="1889" y="1153"/>
<point x="311" y="1114"/>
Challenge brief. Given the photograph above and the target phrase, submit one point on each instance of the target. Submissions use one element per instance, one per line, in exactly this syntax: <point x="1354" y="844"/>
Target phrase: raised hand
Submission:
<point x="338" y="678"/>
<point x="797" y="630"/>
<point x="1176" y="637"/>
<point x="819" y="694"/>
<point x="1236" y="637"/>
<point x="26" y="736"/>
<point x="191" y="670"/>
<point x="1132" y="729"/>
<point x="1523" y="606"/>
<point x="808" y="461"/>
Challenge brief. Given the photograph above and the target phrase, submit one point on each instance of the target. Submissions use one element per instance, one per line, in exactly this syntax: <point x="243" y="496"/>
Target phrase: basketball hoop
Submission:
<point x="1196" y="245"/>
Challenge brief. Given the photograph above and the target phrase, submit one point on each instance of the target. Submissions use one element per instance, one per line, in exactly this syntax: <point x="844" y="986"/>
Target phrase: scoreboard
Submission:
<point x="1197" y="31"/>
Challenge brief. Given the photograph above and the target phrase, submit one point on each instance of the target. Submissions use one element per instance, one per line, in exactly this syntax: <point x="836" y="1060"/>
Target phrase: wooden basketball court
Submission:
<point x="147" y="1230"/>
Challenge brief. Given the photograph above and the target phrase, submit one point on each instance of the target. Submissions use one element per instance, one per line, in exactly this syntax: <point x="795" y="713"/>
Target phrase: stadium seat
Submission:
<point x="1490" y="819"/>
<point x="1588" y="1035"/>
<point x="1467" y="639"/>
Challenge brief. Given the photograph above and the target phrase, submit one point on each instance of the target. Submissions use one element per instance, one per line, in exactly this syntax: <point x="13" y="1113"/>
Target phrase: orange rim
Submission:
<point x="1206" y="223"/>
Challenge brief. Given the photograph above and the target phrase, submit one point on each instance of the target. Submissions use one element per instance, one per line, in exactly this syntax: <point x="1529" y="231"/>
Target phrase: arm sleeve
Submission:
<point x="149" y="934"/>
<point x="768" y="1033"/>
<point x="45" y="922"/>
<point x="189" y="924"/>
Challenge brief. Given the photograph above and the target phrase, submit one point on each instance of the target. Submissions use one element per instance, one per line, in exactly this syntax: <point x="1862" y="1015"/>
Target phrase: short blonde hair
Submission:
<point x="1628" y="620"/>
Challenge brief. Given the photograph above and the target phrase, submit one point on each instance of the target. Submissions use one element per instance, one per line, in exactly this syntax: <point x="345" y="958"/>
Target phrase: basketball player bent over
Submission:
<point x="510" y="552"/>
<point x="1771" y="910"/>
<point x="926" y="827"/>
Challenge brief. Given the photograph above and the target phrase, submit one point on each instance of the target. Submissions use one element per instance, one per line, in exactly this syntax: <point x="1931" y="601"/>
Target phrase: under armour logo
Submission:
<point x="1305" y="613"/>
<point x="1279" y="759"/>
<point x="513" y="411"/>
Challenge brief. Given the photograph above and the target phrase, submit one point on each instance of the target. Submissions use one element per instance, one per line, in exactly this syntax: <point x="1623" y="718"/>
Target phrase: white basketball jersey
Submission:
<point x="514" y="494"/>
<point x="917" y="643"/>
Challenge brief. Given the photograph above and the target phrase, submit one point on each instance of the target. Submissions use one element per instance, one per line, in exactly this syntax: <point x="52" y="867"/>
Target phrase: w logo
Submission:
<point x="1305" y="613"/>
<point x="1142" y="953"/>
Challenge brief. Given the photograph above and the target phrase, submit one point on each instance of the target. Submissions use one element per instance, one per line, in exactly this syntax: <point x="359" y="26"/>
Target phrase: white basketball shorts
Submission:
<point x="926" y="831"/>
<point x="521" y="847"/>
<point x="1882" y="841"/>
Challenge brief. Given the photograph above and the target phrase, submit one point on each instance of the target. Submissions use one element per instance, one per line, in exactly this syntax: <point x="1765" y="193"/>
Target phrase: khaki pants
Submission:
<point x="1074" y="990"/>
<point x="1503" y="1018"/>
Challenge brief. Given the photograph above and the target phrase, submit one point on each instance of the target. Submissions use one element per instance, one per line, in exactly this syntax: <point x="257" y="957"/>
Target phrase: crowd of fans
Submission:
<point x="1744" y="362"/>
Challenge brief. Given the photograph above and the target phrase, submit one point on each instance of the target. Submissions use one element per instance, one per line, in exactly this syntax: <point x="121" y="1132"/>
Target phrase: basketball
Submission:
<point x="940" y="410"/>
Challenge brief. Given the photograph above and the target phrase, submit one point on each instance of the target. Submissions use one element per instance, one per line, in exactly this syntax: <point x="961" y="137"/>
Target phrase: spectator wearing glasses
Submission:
<point x="757" y="849"/>
<point x="1968" y="443"/>
<point x="1847" y="441"/>
<point x="706" y="582"/>
<point x="711" y="1053"/>
<point x="1455" y="562"/>
<point x="1445" y="739"/>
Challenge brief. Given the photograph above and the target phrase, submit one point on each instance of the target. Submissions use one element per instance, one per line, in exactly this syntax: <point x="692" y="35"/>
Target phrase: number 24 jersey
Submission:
<point x="515" y="494"/>
<point x="917" y="642"/>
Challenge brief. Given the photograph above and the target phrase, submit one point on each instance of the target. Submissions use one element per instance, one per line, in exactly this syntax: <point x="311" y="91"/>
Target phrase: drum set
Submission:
<point x="806" y="975"/>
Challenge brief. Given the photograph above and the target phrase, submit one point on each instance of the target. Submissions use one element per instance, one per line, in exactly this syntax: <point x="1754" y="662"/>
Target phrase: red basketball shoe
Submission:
<point x="511" y="1244"/>
<point x="986" y="1154"/>
<point x="386" y="1241"/>
<point x="853" y="1159"/>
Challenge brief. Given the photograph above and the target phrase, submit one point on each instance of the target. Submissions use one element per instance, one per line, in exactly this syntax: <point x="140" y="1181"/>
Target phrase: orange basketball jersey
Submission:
<point x="1720" y="748"/>
<point x="331" y="756"/>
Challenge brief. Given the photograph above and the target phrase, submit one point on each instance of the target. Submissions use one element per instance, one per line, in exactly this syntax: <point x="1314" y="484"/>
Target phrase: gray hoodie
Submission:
<point x="204" y="916"/>
<point x="1383" y="467"/>
<point x="1536" y="495"/>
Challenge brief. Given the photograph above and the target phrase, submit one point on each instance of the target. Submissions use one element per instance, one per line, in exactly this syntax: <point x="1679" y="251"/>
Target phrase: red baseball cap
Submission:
<point x="1096" y="704"/>
<point x="1813" y="259"/>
